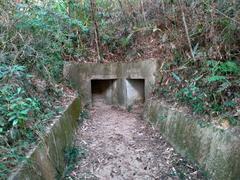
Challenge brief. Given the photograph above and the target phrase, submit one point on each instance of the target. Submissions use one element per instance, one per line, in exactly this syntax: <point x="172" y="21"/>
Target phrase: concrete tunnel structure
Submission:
<point x="216" y="150"/>
<point x="121" y="84"/>
<point x="106" y="89"/>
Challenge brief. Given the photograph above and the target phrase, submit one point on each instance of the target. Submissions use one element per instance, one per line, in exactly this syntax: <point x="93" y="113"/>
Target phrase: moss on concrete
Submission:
<point x="46" y="161"/>
<point x="216" y="150"/>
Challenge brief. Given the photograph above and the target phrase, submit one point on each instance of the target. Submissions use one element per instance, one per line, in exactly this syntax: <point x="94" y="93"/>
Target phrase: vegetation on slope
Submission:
<point x="201" y="67"/>
<point x="30" y="66"/>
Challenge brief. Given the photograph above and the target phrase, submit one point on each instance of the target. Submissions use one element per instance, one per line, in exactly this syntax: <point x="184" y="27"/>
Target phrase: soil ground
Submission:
<point x="121" y="146"/>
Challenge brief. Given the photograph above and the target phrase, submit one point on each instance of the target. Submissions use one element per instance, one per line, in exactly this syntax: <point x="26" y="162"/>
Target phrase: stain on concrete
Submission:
<point x="215" y="149"/>
<point x="46" y="160"/>
<point x="80" y="76"/>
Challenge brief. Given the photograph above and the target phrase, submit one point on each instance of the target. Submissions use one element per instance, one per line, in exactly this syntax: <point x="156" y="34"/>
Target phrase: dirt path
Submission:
<point x="121" y="146"/>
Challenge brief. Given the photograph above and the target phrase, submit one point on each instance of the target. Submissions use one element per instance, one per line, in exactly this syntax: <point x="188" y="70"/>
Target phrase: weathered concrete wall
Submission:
<point x="80" y="76"/>
<point x="216" y="150"/>
<point x="135" y="91"/>
<point x="46" y="161"/>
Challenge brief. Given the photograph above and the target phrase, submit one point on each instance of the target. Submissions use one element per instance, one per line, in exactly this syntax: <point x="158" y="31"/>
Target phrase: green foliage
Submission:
<point x="229" y="30"/>
<point x="21" y="116"/>
<point x="223" y="68"/>
<point x="72" y="155"/>
<point x="129" y="108"/>
<point x="209" y="90"/>
<point x="9" y="71"/>
<point x="84" y="114"/>
<point x="193" y="96"/>
<point x="126" y="41"/>
<point x="215" y="78"/>
<point x="229" y="67"/>
<point x="16" y="109"/>
<point x="176" y="77"/>
<point x="220" y="72"/>
<point x="52" y="37"/>
<point x="34" y="39"/>
<point x="37" y="36"/>
<point x="21" y="110"/>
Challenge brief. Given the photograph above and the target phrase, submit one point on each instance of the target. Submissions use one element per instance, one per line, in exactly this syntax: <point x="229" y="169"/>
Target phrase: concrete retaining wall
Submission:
<point x="80" y="76"/>
<point x="216" y="150"/>
<point x="46" y="160"/>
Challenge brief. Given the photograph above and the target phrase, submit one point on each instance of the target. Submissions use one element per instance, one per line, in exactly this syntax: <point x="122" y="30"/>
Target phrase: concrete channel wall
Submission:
<point x="81" y="75"/>
<point x="216" y="150"/>
<point x="46" y="160"/>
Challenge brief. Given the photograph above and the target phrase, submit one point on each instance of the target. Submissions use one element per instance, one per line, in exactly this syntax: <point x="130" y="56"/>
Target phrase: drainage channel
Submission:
<point x="118" y="144"/>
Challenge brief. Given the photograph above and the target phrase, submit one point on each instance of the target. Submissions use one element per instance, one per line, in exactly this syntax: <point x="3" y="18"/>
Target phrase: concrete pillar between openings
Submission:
<point x="134" y="91"/>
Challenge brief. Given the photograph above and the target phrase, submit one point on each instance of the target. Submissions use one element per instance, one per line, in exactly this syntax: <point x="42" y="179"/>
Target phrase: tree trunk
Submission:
<point x="186" y="30"/>
<point x="96" y="31"/>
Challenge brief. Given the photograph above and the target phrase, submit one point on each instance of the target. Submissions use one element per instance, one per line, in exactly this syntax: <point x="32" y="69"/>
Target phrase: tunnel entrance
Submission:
<point x="135" y="91"/>
<point x="103" y="90"/>
<point x="125" y="92"/>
